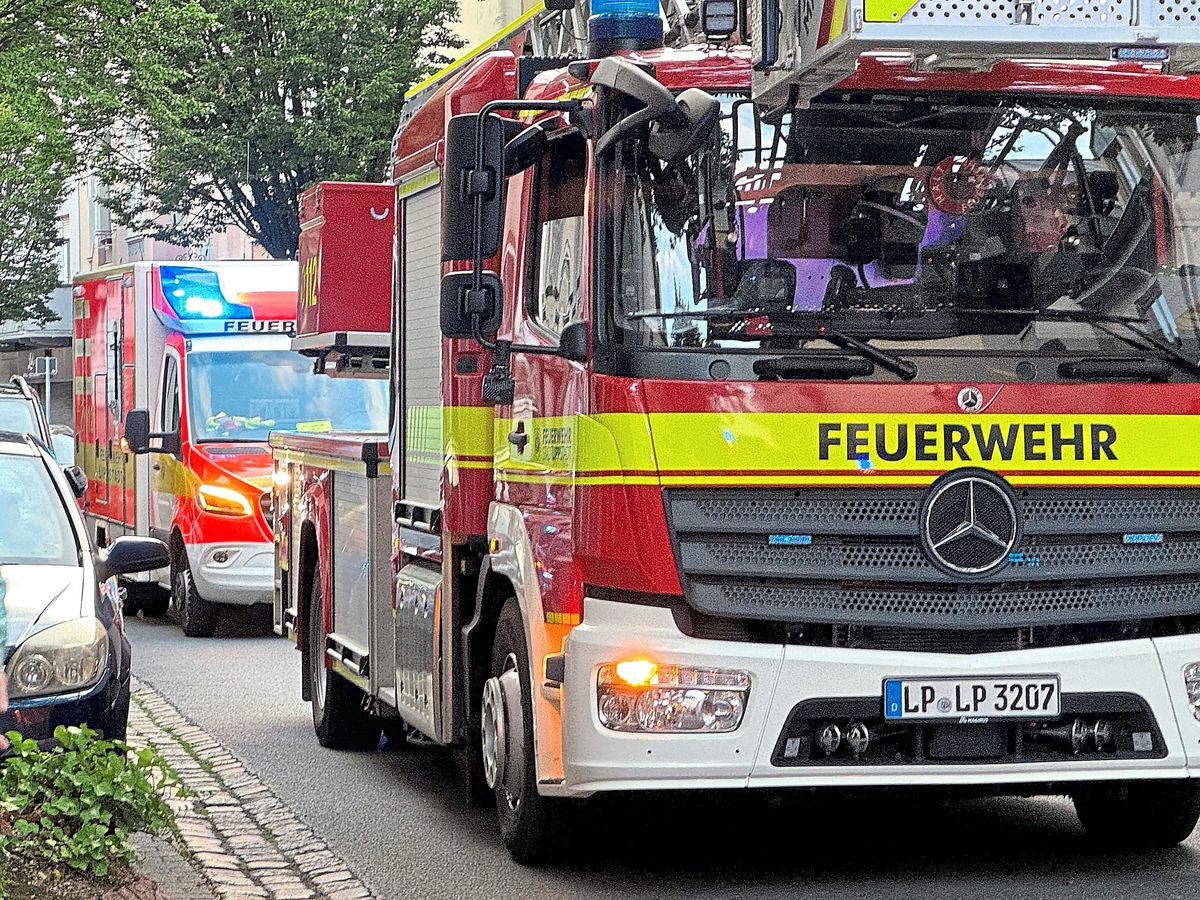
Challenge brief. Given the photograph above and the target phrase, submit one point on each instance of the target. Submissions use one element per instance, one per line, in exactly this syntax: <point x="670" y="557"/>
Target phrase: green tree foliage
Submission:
<point x="36" y="159"/>
<point x="227" y="109"/>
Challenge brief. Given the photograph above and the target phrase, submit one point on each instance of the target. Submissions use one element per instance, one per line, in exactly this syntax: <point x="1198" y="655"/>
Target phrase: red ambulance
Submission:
<point x="181" y="372"/>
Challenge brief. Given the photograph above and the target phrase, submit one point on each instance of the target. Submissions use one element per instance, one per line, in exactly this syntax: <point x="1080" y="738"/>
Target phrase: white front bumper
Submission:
<point x="235" y="574"/>
<point x="597" y="759"/>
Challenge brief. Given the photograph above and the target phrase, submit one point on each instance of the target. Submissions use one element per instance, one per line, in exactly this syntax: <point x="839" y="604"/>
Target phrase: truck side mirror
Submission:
<point x="465" y="184"/>
<point x="573" y="342"/>
<point x="138" y="435"/>
<point x="684" y="123"/>
<point x="461" y="303"/>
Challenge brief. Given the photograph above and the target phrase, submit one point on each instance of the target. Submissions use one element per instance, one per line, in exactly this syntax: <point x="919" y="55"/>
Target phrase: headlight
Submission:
<point x="222" y="500"/>
<point x="643" y="696"/>
<point x="66" y="657"/>
<point x="1191" y="683"/>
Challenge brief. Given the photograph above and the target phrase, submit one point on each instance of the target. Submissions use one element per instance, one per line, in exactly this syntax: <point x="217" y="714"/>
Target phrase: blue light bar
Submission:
<point x="195" y="293"/>
<point x="624" y="25"/>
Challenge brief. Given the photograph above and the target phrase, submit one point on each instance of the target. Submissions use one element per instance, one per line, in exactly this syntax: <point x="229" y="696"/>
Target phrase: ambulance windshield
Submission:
<point x="926" y="224"/>
<point x="245" y="395"/>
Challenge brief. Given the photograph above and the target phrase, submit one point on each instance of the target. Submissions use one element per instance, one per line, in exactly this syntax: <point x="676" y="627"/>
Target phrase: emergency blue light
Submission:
<point x="624" y="25"/>
<point x="194" y="293"/>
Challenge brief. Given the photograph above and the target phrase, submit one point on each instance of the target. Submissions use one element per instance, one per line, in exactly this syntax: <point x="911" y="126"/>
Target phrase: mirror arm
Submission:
<point x="497" y="384"/>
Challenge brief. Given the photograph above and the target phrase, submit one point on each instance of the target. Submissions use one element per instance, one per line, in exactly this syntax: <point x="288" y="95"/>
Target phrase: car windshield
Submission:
<point x="244" y="396"/>
<point x="34" y="529"/>
<point x="17" y="415"/>
<point x="928" y="224"/>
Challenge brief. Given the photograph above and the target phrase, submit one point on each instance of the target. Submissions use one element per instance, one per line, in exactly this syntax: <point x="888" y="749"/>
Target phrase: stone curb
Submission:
<point x="245" y="841"/>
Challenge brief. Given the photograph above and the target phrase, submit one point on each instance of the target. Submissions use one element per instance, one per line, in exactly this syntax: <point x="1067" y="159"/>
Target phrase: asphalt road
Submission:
<point x="397" y="820"/>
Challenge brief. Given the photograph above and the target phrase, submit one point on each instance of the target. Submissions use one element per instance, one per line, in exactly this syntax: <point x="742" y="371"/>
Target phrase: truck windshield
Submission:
<point x="244" y="396"/>
<point x="926" y="224"/>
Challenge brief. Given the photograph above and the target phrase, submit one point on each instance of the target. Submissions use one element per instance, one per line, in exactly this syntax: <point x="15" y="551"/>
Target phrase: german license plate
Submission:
<point x="998" y="697"/>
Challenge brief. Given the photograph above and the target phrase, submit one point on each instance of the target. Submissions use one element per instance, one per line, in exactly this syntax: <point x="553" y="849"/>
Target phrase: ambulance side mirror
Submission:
<point x="138" y="435"/>
<point x="137" y="430"/>
<point x="470" y="185"/>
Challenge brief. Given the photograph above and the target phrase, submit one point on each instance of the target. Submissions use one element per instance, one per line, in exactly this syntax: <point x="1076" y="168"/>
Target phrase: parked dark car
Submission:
<point x="66" y="655"/>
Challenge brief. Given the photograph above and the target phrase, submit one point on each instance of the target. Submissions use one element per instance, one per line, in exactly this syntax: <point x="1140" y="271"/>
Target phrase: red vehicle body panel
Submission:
<point x="346" y="236"/>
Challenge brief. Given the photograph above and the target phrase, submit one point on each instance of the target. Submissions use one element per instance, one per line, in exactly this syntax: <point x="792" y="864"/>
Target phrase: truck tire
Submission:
<point x="339" y="719"/>
<point x="532" y="825"/>
<point x="1139" y="815"/>
<point x="197" y="617"/>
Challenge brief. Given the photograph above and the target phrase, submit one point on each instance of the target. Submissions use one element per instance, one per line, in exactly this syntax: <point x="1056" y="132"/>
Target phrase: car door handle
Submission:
<point x="518" y="439"/>
<point x="157" y="467"/>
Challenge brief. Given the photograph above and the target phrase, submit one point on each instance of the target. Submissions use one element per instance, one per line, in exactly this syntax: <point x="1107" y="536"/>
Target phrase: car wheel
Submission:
<point x="338" y="716"/>
<point x="532" y="825"/>
<point x="1139" y="815"/>
<point x="197" y="617"/>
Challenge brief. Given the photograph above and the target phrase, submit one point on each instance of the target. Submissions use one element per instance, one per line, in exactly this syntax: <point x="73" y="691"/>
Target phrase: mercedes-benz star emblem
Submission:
<point x="969" y="523"/>
<point x="970" y="399"/>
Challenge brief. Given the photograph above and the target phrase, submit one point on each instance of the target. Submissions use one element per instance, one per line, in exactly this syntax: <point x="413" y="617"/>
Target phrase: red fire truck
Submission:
<point x="841" y="440"/>
<point x="201" y="350"/>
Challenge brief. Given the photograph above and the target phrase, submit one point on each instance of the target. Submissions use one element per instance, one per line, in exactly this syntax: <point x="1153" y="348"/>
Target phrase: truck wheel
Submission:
<point x="338" y="716"/>
<point x="530" y="824"/>
<point x="197" y="617"/>
<point x="1139" y="815"/>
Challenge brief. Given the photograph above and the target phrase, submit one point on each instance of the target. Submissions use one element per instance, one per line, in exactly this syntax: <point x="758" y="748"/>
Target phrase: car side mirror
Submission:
<point x="77" y="479"/>
<point x="138" y="435"/>
<point x="128" y="555"/>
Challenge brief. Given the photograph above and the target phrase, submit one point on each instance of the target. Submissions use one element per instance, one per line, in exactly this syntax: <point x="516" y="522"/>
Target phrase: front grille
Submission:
<point x="849" y="558"/>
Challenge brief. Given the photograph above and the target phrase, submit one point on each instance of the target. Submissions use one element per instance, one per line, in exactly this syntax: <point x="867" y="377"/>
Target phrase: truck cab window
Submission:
<point x="556" y="283"/>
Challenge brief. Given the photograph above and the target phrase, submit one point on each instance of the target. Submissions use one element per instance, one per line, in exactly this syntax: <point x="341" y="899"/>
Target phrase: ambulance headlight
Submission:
<point x="223" y="501"/>
<point x="643" y="696"/>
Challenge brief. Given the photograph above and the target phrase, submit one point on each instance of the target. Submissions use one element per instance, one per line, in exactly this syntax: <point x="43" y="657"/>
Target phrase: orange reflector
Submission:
<point x="637" y="672"/>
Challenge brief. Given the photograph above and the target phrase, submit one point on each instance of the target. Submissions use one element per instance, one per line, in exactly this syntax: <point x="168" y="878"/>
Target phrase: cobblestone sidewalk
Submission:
<point x="245" y="841"/>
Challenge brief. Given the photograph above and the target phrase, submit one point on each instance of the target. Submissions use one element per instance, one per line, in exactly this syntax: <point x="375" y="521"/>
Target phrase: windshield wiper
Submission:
<point x="898" y="366"/>
<point x="813" y="367"/>
<point x="1136" y="337"/>
<point x="790" y="320"/>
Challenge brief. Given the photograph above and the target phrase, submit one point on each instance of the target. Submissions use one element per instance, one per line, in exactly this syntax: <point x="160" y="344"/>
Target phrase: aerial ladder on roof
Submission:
<point x="803" y="47"/>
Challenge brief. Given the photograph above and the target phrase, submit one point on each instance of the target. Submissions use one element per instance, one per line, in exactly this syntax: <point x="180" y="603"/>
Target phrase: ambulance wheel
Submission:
<point x="197" y="617"/>
<point x="338" y="716"/>
<point x="1139" y="815"/>
<point x="531" y="825"/>
<point x="146" y="597"/>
